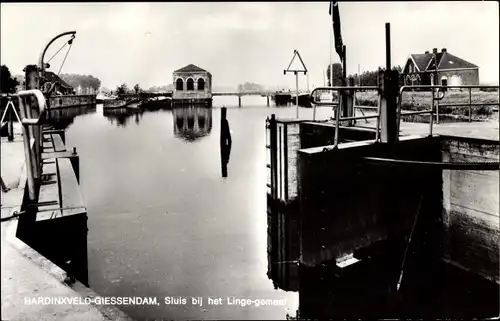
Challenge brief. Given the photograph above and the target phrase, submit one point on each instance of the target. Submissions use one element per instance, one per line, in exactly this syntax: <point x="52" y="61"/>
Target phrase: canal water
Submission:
<point x="164" y="223"/>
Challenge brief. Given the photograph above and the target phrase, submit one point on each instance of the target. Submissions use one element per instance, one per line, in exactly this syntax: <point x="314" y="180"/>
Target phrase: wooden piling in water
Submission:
<point x="225" y="141"/>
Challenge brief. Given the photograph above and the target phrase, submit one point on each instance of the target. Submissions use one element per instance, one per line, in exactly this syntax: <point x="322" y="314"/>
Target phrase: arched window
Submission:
<point x="190" y="84"/>
<point x="190" y="122"/>
<point x="444" y="81"/>
<point x="201" y="84"/>
<point x="179" y="84"/>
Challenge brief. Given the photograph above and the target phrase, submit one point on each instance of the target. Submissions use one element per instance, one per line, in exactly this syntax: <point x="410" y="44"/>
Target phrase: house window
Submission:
<point x="179" y="84"/>
<point x="444" y="81"/>
<point x="201" y="84"/>
<point x="190" y="84"/>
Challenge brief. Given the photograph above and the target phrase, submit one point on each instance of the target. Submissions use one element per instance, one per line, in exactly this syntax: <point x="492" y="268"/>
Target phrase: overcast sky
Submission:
<point x="238" y="42"/>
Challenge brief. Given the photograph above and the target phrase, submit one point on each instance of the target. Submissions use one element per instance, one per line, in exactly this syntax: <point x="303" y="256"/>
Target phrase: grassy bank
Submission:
<point x="415" y="101"/>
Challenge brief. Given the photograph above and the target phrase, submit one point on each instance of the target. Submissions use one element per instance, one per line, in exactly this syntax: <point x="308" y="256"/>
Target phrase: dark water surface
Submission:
<point x="162" y="220"/>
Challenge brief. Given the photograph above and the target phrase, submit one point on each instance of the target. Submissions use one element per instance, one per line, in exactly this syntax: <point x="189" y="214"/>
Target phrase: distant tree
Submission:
<point x="250" y="87"/>
<point x="369" y="78"/>
<point x="122" y="89"/>
<point x="85" y="81"/>
<point x="137" y="89"/>
<point x="337" y="74"/>
<point x="8" y="84"/>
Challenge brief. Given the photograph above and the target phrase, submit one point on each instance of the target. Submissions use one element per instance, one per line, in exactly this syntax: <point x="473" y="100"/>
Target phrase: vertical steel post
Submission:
<point x="470" y="105"/>
<point x="280" y="176"/>
<point x="297" y="88"/>
<point x="388" y="46"/>
<point x="431" y="116"/>
<point x="285" y="157"/>
<point x="377" y="134"/>
<point x="398" y="128"/>
<point x="437" y="112"/>
<point x="390" y="83"/>
<point x="337" y="124"/>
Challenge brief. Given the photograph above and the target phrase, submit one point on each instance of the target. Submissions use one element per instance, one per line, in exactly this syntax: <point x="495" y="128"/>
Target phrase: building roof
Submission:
<point x="191" y="68"/>
<point x="53" y="78"/>
<point x="421" y="60"/>
<point x="449" y="61"/>
<point x="445" y="60"/>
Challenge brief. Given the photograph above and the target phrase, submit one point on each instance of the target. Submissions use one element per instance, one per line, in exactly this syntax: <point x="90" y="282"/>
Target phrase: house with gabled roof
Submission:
<point x="61" y="86"/>
<point x="438" y="67"/>
<point x="192" y="85"/>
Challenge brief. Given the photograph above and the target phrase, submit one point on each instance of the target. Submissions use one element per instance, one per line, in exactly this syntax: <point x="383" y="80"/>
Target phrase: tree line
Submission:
<point x="367" y="78"/>
<point x="8" y="83"/>
<point x="250" y="87"/>
<point x="84" y="81"/>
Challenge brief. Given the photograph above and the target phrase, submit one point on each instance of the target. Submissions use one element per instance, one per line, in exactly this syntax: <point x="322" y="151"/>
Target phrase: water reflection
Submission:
<point x="123" y="116"/>
<point x="61" y="118"/>
<point x="192" y="123"/>
<point x="283" y="248"/>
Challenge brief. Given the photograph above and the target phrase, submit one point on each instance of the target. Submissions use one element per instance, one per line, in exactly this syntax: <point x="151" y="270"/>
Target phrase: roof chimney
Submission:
<point x="435" y="50"/>
<point x="443" y="50"/>
<point x="426" y="52"/>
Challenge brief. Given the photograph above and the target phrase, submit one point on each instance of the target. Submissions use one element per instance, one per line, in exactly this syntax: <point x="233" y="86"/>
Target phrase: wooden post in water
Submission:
<point x="225" y="141"/>
<point x="268" y="101"/>
<point x="239" y="101"/>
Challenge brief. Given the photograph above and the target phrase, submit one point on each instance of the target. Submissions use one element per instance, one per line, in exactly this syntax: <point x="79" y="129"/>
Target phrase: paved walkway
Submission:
<point x="25" y="273"/>
<point x="484" y="130"/>
<point x="477" y="129"/>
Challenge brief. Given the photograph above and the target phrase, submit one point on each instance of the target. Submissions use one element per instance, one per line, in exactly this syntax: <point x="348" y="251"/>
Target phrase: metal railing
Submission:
<point x="283" y="135"/>
<point x="435" y="102"/>
<point x="31" y="120"/>
<point x="338" y="119"/>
